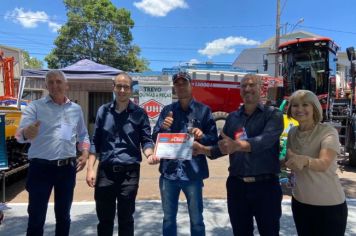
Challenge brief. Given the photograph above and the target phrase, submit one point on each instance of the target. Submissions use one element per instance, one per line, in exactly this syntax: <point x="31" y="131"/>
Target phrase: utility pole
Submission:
<point x="278" y="28"/>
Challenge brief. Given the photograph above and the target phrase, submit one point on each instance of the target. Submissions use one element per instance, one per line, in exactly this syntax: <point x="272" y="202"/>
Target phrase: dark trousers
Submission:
<point x="116" y="190"/>
<point x="261" y="200"/>
<point x="41" y="179"/>
<point x="313" y="220"/>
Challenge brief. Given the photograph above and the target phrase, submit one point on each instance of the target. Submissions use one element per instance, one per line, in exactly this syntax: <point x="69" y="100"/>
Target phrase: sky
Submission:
<point x="176" y="32"/>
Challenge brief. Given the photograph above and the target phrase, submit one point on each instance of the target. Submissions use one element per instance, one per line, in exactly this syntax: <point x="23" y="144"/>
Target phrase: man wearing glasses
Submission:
<point x="121" y="129"/>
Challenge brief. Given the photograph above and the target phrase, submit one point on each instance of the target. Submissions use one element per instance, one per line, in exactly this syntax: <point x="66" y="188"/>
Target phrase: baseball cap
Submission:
<point x="183" y="75"/>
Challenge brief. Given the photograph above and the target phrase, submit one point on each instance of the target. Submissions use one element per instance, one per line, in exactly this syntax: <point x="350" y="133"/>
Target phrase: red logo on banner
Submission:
<point x="153" y="108"/>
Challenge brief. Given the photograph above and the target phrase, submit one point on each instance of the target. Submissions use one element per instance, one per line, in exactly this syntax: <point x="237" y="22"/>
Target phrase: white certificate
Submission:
<point x="174" y="146"/>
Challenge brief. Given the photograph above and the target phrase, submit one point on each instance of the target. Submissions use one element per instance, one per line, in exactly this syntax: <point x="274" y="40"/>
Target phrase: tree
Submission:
<point x="31" y="62"/>
<point x="98" y="31"/>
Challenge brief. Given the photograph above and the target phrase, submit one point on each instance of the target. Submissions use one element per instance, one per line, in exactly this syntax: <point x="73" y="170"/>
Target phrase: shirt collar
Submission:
<point x="130" y="106"/>
<point x="190" y="107"/>
<point x="49" y="99"/>
<point x="241" y="111"/>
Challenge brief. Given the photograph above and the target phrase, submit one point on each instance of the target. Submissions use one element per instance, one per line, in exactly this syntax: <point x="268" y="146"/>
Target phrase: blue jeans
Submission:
<point x="41" y="179"/>
<point x="193" y="191"/>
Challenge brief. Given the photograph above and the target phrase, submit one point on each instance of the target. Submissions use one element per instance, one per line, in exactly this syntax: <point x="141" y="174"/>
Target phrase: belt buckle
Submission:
<point x="249" y="179"/>
<point x="62" y="162"/>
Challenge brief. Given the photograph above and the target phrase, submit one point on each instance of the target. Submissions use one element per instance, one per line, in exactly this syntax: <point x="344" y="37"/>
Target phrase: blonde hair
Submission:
<point x="308" y="97"/>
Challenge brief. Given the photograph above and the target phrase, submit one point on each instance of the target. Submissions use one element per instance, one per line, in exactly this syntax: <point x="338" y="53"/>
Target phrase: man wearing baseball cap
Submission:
<point x="185" y="115"/>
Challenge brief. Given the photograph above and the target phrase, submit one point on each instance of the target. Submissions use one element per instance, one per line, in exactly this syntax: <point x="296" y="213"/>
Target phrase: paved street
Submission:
<point x="148" y="219"/>
<point x="148" y="215"/>
<point x="214" y="186"/>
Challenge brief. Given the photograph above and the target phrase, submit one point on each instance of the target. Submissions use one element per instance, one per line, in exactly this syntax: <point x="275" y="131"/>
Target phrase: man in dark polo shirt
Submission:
<point x="251" y="138"/>
<point x="121" y="129"/>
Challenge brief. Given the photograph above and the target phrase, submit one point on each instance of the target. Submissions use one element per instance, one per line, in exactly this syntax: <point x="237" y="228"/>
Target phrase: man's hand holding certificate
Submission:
<point x="174" y="146"/>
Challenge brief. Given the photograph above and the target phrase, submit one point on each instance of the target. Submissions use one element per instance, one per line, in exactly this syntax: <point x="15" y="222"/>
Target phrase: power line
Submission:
<point x="184" y="26"/>
<point x="284" y="4"/>
<point x="146" y="25"/>
<point x="20" y="37"/>
<point x="153" y="59"/>
<point x="30" y="42"/>
<point x="330" y="30"/>
<point x="35" y="44"/>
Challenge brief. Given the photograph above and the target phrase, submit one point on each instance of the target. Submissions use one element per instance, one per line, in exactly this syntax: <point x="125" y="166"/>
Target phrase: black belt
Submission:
<point x="121" y="167"/>
<point x="59" y="162"/>
<point x="257" y="178"/>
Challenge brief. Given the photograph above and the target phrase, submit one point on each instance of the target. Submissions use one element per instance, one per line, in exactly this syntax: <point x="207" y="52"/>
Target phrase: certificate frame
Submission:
<point x="174" y="146"/>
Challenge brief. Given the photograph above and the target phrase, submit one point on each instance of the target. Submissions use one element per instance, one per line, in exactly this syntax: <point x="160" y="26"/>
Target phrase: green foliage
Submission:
<point x="98" y="31"/>
<point x="31" y="62"/>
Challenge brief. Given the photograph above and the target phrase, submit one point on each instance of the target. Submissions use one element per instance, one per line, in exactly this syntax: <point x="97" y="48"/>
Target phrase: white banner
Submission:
<point x="153" y="96"/>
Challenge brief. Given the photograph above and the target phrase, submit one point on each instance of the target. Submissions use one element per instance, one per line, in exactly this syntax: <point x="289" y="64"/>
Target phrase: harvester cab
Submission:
<point x="310" y="63"/>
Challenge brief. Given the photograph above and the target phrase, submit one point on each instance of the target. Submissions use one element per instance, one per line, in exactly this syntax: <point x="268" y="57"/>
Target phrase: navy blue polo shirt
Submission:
<point x="263" y="129"/>
<point x="118" y="137"/>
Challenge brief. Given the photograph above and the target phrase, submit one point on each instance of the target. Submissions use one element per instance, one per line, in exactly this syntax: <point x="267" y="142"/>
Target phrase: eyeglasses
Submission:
<point x="121" y="86"/>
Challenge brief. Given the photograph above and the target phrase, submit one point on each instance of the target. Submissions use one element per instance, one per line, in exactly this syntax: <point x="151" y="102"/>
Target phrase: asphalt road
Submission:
<point x="214" y="186"/>
<point x="148" y="216"/>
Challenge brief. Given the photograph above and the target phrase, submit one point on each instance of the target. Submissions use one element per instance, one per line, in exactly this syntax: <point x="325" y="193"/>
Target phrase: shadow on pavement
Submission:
<point x="14" y="185"/>
<point x="349" y="186"/>
<point x="18" y="225"/>
<point x="84" y="224"/>
<point x="148" y="219"/>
